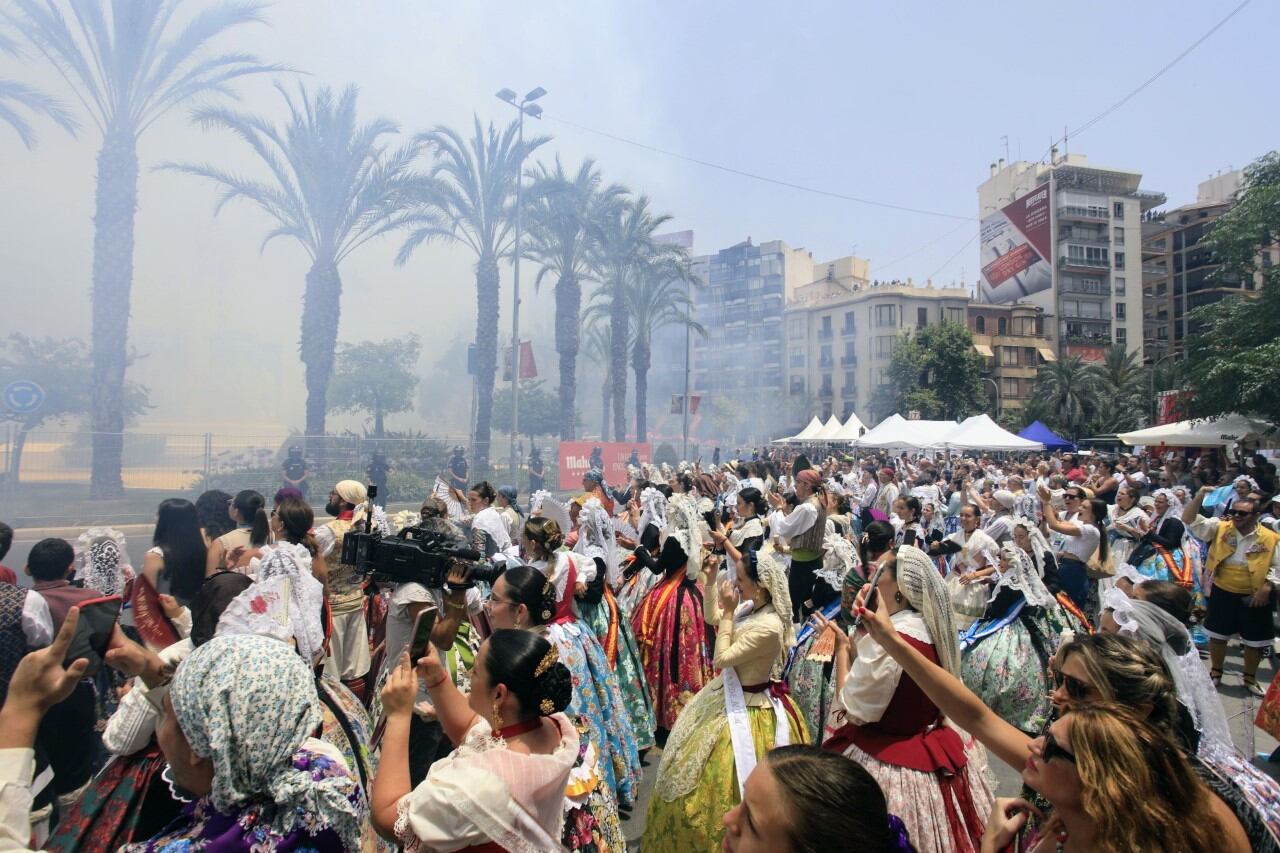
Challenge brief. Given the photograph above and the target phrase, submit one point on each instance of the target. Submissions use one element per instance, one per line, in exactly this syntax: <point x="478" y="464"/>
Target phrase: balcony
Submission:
<point x="826" y="392"/>
<point x="1083" y="263"/>
<point x="1155" y="270"/>
<point x="1085" y="238"/>
<point x="848" y="331"/>
<point x="848" y="360"/>
<point x="826" y="361"/>
<point x="825" y="334"/>
<point x="1092" y="214"/>
<point x="1099" y="289"/>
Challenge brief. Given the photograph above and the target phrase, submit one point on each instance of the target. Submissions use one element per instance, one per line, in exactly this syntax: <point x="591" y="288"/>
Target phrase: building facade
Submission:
<point x="1013" y="343"/>
<point x="841" y="331"/>
<point x="1095" y="220"/>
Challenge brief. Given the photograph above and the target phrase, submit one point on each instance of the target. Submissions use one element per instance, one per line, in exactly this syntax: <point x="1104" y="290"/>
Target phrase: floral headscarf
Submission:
<point x="248" y="703"/>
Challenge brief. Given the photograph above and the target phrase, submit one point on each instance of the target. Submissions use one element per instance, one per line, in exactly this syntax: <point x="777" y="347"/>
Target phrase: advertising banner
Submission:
<point x="611" y="457"/>
<point x="1017" y="249"/>
<point x="1171" y="406"/>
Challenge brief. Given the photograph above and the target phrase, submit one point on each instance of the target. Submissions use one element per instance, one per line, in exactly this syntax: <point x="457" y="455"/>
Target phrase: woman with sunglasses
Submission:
<point x="1082" y="535"/>
<point x="1093" y="668"/>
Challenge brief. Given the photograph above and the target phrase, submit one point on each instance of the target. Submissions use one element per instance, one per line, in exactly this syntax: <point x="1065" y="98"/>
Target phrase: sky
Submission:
<point x="902" y="103"/>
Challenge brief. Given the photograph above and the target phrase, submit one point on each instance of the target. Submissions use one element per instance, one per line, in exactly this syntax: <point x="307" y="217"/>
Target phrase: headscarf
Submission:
<point x="352" y="491"/>
<point x="1195" y="690"/>
<point x="1038" y="543"/>
<point x="102" y="563"/>
<point x="1174" y="510"/>
<point x="773" y="577"/>
<point x="684" y="527"/>
<point x="810" y="478"/>
<point x="510" y="493"/>
<point x="248" y="704"/>
<point x="306" y="594"/>
<point x="1022" y="576"/>
<point x="596" y="539"/>
<point x="1005" y="498"/>
<point x="839" y="557"/>
<point x="653" y="509"/>
<point x="922" y="586"/>
<point x="595" y="475"/>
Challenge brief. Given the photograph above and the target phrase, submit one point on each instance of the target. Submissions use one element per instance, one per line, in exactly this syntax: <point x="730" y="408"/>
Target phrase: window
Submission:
<point x="980" y="324"/>
<point x="955" y="315"/>
<point x="1119" y="282"/>
<point x="882" y="376"/>
<point x="849" y="357"/>
<point x="1119" y="260"/>
<point x="1040" y="326"/>
<point x="1009" y="356"/>
<point x="1117" y="210"/>
<point x="885" y="345"/>
<point x="1266" y="259"/>
<point x="1008" y="387"/>
<point x="922" y="317"/>
<point x="1117" y="235"/>
<point x="797" y="357"/>
<point x="1002" y="325"/>
<point x="824" y="357"/>
<point x="850" y="381"/>
<point x="825" y="391"/>
<point x="850" y="325"/>
<point x="795" y="328"/>
<point x="1122" y="335"/>
<point x="797" y="384"/>
<point x="1119" y="310"/>
<point x="884" y="317"/>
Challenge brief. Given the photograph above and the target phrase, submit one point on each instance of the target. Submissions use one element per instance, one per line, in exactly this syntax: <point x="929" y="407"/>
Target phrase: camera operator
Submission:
<point x="348" y="658"/>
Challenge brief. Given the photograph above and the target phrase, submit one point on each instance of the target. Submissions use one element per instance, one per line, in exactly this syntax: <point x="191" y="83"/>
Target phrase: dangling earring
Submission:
<point x="897" y="598"/>
<point x="497" y="717"/>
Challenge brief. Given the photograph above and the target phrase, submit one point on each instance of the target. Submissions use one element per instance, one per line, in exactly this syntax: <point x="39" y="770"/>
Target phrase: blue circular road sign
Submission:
<point x="23" y="397"/>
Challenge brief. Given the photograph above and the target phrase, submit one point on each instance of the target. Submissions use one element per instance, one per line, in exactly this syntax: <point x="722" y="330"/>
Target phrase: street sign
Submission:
<point x="22" y="397"/>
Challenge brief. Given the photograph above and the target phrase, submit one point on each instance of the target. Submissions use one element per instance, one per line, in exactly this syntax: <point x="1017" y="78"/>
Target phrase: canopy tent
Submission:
<point x="806" y="434"/>
<point x="897" y="433"/>
<point x="1215" y="432"/>
<point x="829" y="430"/>
<point x="981" y="433"/>
<point x="1051" y="440"/>
<point x="851" y="431"/>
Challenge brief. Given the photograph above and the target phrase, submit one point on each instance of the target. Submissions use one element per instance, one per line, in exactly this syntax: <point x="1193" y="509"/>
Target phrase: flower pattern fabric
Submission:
<point x="613" y="631"/>
<point x="674" y="645"/>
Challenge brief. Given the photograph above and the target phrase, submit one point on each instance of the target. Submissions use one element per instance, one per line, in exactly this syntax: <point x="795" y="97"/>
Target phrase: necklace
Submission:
<point x="516" y="729"/>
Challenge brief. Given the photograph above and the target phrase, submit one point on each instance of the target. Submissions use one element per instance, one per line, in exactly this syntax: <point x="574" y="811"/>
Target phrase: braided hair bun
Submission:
<point x="528" y="586"/>
<point x="530" y="668"/>
<point x="555" y="689"/>
<point x="545" y="532"/>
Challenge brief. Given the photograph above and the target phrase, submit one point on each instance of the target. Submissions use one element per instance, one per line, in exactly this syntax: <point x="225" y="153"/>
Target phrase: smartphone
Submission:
<point x="710" y="518"/>
<point x="93" y="631"/>
<point x="421" y="637"/>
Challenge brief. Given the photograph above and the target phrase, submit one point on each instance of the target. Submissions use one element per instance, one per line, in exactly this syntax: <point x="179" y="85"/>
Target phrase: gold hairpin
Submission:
<point x="547" y="707"/>
<point x="552" y="656"/>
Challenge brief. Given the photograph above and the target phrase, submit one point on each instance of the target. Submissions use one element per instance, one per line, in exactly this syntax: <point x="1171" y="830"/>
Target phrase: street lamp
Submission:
<point x="525" y="106"/>
<point x="997" y="387"/>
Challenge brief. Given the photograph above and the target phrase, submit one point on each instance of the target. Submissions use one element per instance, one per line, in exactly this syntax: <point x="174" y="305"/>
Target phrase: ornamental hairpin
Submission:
<point x="551" y="657"/>
<point x="547" y="707"/>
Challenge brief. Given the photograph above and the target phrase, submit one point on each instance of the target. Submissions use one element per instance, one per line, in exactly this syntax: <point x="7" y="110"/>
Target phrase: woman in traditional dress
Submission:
<point x="972" y="552"/>
<point x="599" y="609"/>
<point x="238" y="734"/>
<point x="520" y="596"/>
<point x="248" y="509"/>
<point x="1168" y="552"/>
<point x="652" y="527"/>
<point x="596" y="694"/>
<point x="886" y="723"/>
<point x="674" y="641"/>
<point x="1005" y="655"/>
<point x="736" y="718"/>
<point x="1066" y="617"/>
<point x="907" y="509"/>
<point x="485" y="518"/>
<point x="503" y="787"/>
<point x="1128" y="524"/>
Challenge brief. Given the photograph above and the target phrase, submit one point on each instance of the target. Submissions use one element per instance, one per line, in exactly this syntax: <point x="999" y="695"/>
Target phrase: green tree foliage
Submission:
<point x="1232" y="363"/>
<point x="1067" y="395"/>
<point x="539" y="409"/>
<point x="936" y="372"/>
<point x="376" y="377"/>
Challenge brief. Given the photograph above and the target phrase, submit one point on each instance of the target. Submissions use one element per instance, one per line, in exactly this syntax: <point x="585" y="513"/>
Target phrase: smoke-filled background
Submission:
<point x="902" y="104"/>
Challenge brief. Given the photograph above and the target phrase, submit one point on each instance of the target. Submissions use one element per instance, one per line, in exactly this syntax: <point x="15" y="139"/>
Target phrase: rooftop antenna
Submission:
<point x="1066" y="149"/>
<point x="1006" y="148"/>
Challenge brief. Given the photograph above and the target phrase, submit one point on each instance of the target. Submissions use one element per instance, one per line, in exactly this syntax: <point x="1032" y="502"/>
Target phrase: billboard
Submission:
<point x="1017" y="249"/>
<point x="611" y="457"/>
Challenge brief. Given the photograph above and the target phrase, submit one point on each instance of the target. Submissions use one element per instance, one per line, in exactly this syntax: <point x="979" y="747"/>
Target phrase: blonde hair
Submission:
<point x="1137" y="787"/>
<point x="545" y="532"/>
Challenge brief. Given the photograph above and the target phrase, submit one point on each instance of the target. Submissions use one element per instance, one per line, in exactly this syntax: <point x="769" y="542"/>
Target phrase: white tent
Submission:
<point x="829" y="431"/>
<point x="981" y="433"/>
<point x="1217" y="432"/>
<point x="888" y="430"/>
<point x="851" y="430"/>
<point x="897" y="433"/>
<point x="807" y="434"/>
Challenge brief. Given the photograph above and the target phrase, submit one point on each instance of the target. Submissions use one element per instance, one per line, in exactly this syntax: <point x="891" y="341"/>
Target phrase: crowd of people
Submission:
<point x="808" y="654"/>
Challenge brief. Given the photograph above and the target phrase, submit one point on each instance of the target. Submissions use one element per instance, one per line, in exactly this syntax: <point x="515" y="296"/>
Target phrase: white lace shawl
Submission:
<point x="596" y="539"/>
<point x="653" y="509"/>
<point x="1022" y="576"/>
<point x="925" y="591"/>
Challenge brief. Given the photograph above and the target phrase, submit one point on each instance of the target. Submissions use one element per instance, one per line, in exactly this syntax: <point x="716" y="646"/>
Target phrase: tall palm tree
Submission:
<point x="627" y="246"/>
<point x="1124" y="385"/>
<point x="127" y="64"/>
<point x="598" y="343"/>
<point x="467" y="198"/>
<point x="561" y="214"/>
<point x="334" y="187"/>
<point x="1067" y="394"/>
<point x="18" y="98"/>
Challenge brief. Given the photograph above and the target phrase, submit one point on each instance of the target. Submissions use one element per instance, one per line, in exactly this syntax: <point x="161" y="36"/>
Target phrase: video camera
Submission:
<point x="416" y="555"/>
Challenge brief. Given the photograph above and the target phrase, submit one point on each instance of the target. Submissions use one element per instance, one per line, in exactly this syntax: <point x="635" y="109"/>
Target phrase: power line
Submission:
<point x="947" y="262"/>
<point x="763" y="178"/>
<point x="1153" y="78"/>
<point x="936" y="240"/>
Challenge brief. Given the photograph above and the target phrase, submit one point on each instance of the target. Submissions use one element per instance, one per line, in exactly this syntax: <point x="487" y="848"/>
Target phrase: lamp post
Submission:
<point x="997" y="387"/>
<point x="525" y="106"/>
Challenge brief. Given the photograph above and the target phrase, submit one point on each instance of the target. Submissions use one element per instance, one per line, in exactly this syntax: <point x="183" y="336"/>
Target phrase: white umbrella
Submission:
<point x="1213" y="432"/>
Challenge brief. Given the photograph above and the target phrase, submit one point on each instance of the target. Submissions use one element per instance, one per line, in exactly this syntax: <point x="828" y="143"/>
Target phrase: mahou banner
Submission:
<point x="611" y="457"/>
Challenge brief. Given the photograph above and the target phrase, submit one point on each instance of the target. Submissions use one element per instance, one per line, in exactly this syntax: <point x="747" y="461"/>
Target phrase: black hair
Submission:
<point x="685" y="481"/>
<point x="1168" y="596"/>
<point x="1098" y="507"/>
<point x="6" y="539"/>
<point x="518" y="660"/>
<point x="817" y="789"/>
<point x="252" y="508"/>
<point x="751" y="497"/>
<point x="877" y="537"/>
<point x="177" y="535"/>
<point x="530" y="587"/>
<point x="761" y="469"/>
<point x="485" y="491"/>
<point x="51" y="559"/>
<point x="913" y="504"/>
<point x="800" y="463"/>
<point x="296" y="520"/>
<point x="211" y="511"/>
<point x="742" y="470"/>
<point x="213" y="597"/>
<point x="665" y="489"/>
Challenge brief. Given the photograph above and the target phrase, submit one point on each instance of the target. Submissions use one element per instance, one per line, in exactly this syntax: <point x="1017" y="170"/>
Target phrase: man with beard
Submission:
<point x="348" y="658"/>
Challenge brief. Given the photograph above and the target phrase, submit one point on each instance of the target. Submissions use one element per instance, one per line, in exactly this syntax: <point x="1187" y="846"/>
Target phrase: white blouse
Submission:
<point x="873" y="678"/>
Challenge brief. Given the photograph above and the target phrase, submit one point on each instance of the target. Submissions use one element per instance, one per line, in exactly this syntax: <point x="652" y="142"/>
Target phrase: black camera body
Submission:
<point x="416" y="555"/>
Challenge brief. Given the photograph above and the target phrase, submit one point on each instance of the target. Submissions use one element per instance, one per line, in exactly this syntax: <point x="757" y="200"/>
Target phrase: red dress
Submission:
<point x="674" y="643"/>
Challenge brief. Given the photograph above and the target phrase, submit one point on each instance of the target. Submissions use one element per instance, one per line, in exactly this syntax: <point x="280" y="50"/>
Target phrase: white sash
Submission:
<point x="735" y="704"/>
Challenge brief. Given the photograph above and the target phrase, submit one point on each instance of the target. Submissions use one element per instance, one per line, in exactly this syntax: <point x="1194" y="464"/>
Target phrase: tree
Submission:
<point x="334" y="187"/>
<point x="467" y="198"/>
<point x="539" y="409"/>
<point x="378" y="377"/>
<point x="18" y="98"/>
<point x="1231" y="363"/>
<point x="127" y="69"/>
<point x="598" y="344"/>
<point x="1066" y="395"/>
<point x="563" y="214"/>
<point x="937" y="372"/>
<point x="1124" y="382"/>
<point x="61" y="368"/>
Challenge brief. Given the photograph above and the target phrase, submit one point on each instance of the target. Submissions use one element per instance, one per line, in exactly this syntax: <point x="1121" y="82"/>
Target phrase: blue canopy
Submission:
<point x="1041" y="433"/>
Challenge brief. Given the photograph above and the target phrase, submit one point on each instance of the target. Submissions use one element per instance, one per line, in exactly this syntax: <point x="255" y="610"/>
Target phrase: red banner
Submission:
<point x="611" y="457"/>
<point x="528" y="368"/>
<point x="1172" y="406"/>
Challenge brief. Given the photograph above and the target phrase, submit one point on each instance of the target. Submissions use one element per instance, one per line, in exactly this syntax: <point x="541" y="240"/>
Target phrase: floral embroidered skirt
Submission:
<point x="675" y="649"/>
<point x="1009" y="671"/>
<point x="812" y="685"/>
<point x="613" y="630"/>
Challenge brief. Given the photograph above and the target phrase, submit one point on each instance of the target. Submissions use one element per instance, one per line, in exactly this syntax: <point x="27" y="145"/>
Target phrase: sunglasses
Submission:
<point x="1238" y="513"/>
<point x="1053" y="749"/>
<point x="1071" y="497"/>
<point x="1076" y="688"/>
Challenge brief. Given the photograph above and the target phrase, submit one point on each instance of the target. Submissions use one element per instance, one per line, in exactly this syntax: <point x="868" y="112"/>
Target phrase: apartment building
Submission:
<point x="1013" y="343"/>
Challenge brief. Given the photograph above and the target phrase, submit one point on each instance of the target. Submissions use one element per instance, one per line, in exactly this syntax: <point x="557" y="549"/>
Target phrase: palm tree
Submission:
<point x="17" y="98"/>
<point x="562" y="213"/>
<point x="627" y="245"/>
<point x="127" y="68"/>
<point x="1124" y="382"/>
<point x="334" y="187"/>
<point x="1067" y="393"/>
<point x="598" y="343"/>
<point x="467" y="198"/>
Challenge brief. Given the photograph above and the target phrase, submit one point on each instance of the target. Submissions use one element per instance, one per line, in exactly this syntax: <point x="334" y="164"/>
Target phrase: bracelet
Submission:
<point x="442" y="680"/>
